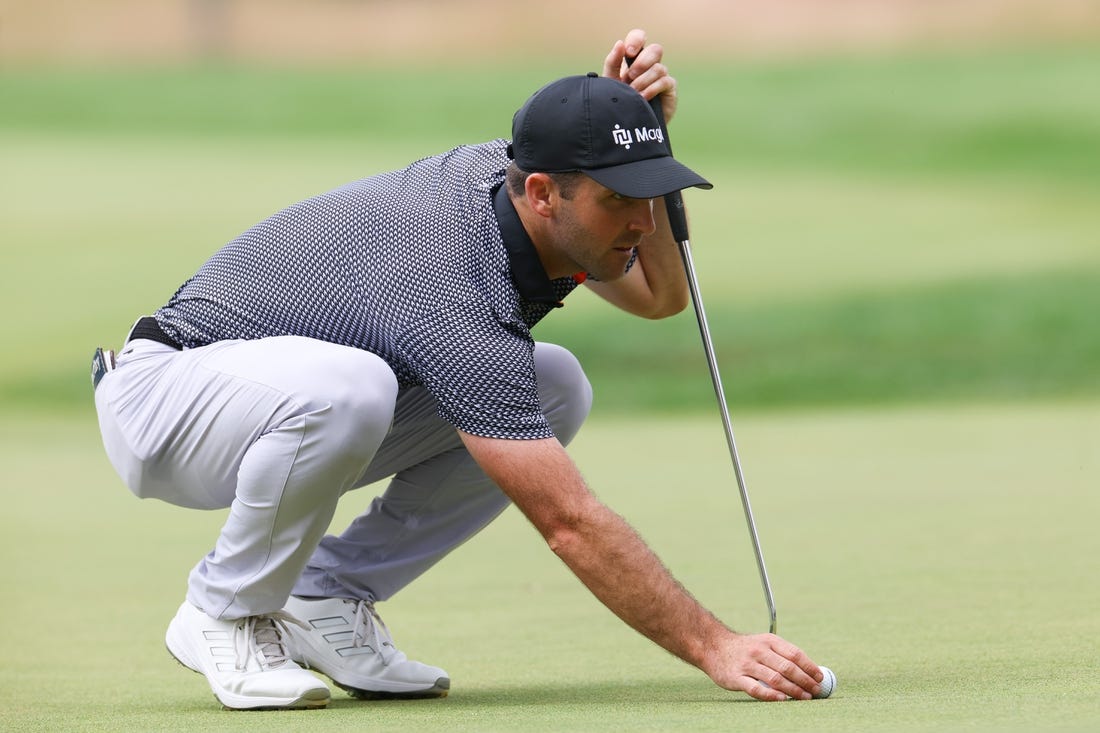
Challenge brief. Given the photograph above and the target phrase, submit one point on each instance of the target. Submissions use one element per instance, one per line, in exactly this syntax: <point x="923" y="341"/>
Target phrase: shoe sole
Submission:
<point x="441" y="688"/>
<point x="314" y="699"/>
<point x="302" y="703"/>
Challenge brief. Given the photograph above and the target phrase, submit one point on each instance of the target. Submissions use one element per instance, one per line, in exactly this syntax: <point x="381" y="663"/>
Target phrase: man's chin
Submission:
<point x="607" y="275"/>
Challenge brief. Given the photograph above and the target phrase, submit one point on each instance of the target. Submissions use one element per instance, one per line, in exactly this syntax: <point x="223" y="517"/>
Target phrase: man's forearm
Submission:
<point x="598" y="545"/>
<point x="660" y="259"/>
<point x="616" y="565"/>
<point x="656" y="287"/>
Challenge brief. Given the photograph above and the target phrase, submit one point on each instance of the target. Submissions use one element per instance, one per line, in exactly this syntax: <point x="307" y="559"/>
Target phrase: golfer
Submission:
<point x="383" y="329"/>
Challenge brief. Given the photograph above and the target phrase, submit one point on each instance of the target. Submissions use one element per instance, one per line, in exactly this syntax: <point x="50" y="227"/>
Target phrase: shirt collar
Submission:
<point x="530" y="276"/>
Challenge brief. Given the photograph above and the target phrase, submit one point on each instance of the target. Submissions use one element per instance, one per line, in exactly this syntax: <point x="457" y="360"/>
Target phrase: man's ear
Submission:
<point x="542" y="193"/>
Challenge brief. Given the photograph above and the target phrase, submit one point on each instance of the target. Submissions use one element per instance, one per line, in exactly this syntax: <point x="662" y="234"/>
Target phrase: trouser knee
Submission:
<point x="352" y="405"/>
<point x="564" y="390"/>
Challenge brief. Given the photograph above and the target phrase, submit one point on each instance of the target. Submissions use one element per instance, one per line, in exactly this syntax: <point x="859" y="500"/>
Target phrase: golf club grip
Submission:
<point x="674" y="202"/>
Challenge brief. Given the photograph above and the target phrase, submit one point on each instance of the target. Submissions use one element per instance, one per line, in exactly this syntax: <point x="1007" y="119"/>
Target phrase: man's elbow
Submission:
<point x="667" y="307"/>
<point x="569" y="529"/>
<point x="562" y="540"/>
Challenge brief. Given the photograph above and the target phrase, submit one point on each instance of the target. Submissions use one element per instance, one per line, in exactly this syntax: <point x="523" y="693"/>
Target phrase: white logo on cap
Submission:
<point x="641" y="134"/>
<point x="622" y="137"/>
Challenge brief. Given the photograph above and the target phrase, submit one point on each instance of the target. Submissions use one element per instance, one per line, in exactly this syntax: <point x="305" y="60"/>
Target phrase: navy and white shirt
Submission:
<point x="428" y="267"/>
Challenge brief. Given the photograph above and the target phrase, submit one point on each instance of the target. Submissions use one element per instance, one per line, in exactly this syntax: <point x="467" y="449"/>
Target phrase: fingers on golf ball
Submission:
<point x="828" y="684"/>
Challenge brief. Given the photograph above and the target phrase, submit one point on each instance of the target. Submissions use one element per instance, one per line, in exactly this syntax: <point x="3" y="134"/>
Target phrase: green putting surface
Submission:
<point x="940" y="561"/>
<point x="901" y="267"/>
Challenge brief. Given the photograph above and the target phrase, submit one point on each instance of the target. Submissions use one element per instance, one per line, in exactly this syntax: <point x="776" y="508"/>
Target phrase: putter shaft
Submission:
<point x="716" y="379"/>
<point x="674" y="203"/>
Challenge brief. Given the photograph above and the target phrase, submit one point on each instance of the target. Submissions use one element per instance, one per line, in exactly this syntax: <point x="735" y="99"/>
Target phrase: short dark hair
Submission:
<point x="566" y="181"/>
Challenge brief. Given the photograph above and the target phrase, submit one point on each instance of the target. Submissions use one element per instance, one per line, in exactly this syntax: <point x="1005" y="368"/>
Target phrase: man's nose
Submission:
<point x="643" y="220"/>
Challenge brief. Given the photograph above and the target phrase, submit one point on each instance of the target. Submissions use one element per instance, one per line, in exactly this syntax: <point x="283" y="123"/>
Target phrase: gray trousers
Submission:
<point x="277" y="430"/>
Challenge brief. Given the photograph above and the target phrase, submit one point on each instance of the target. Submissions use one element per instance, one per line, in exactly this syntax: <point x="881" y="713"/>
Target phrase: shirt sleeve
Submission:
<point x="480" y="369"/>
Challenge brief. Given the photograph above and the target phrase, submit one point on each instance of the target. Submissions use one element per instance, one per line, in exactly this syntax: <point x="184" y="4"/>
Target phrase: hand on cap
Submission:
<point x="645" y="73"/>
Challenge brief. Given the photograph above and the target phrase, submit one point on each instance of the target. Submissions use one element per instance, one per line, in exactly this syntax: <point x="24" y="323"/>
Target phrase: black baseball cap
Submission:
<point x="603" y="128"/>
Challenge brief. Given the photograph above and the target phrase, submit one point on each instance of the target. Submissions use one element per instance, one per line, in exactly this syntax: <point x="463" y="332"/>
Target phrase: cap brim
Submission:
<point x="647" y="179"/>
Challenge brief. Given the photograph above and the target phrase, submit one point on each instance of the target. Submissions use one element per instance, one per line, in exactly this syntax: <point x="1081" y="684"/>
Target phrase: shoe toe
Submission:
<point x="291" y="687"/>
<point x="417" y="673"/>
<point x="292" y="682"/>
<point x="347" y="641"/>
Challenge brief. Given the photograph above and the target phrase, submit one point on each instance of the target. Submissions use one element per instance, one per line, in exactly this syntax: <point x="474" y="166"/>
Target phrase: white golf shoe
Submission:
<point x="347" y="641"/>
<point x="245" y="661"/>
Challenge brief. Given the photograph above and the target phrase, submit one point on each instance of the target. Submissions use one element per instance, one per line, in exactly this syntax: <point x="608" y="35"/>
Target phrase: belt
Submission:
<point x="103" y="363"/>
<point x="103" y="360"/>
<point x="148" y="328"/>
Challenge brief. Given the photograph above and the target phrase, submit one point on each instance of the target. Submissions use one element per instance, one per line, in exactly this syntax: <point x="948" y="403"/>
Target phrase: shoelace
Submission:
<point x="369" y="626"/>
<point x="264" y="638"/>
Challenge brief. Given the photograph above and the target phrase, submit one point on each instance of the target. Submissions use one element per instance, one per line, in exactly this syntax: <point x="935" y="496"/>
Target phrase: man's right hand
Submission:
<point x="613" y="562"/>
<point x="765" y="666"/>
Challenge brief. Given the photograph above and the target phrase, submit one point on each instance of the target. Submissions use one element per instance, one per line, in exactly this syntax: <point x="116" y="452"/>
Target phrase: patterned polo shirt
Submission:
<point x="428" y="267"/>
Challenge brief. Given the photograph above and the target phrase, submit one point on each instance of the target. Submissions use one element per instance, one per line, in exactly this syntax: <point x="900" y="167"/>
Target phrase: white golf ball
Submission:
<point x="828" y="684"/>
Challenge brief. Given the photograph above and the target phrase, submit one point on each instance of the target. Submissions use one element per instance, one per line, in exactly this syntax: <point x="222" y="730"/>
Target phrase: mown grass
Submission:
<point x="1026" y="337"/>
<point x="1031" y="336"/>
<point x="940" y="560"/>
<point x="884" y="229"/>
<point x="1010" y="112"/>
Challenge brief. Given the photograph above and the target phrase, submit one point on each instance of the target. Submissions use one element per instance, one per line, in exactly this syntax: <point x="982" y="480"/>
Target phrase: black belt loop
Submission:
<point x="148" y="328"/>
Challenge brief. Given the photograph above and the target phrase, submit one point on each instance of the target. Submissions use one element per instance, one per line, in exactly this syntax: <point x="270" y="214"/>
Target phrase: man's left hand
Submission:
<point x="645" y="73"/>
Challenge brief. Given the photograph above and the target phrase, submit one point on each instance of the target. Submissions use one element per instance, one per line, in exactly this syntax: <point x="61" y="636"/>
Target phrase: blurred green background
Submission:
<point x="901" y="267"/>
<point x="886" y="227"/>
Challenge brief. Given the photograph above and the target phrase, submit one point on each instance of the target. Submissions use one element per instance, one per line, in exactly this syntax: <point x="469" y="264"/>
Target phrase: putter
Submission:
<point x="677" y="217"/>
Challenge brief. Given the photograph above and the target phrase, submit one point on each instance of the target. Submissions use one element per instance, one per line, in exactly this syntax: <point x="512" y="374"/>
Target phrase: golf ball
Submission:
<point x="828" y="684"/>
